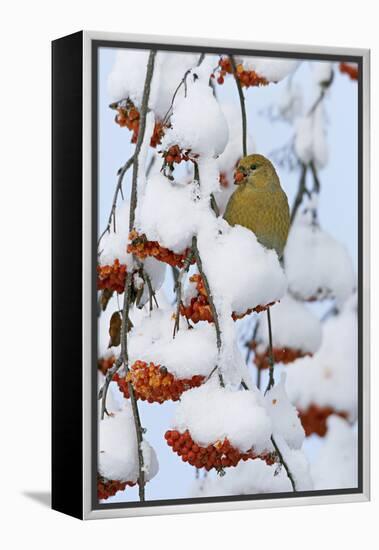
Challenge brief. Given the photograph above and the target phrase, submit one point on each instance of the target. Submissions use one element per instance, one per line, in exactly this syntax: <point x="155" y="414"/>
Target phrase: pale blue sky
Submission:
<point x="337" y="213"/>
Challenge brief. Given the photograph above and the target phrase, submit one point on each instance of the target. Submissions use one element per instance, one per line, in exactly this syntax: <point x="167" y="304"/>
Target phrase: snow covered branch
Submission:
<point x="141" y="135"/>
<point x="199" y="264"/>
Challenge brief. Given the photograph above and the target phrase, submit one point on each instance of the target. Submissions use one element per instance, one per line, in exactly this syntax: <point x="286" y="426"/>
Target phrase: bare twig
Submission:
<point x="284" y="464"/>
<point x="183" y="82"/>
<point x="324" y="87"/>
<point x="243" y="107"/>
<point x="112" y="215"/>
<point x="316" y="180"/>
<point x="271" y="380"/>
<point x="259" y="377"/>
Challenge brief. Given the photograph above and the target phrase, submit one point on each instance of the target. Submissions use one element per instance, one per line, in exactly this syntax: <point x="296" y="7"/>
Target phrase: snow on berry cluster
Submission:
<point x="197" y="122"/>
<point x="142" y="248"/>
<point x="317" y="265"/>
<point x="327" y="382"/>
<point x="241" y="272"/>
<point x="118" y="464"/>
<point x="114" y="259"/>
<point x="288" y="344"/>
<point x="216" y="427"/>
<point x="155" y="384"/>
<point x="256" y="71"/>
<point x="198" y="308"/>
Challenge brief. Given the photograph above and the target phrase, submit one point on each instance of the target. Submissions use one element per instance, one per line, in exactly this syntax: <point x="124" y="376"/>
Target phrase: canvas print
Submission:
<point x="227" y="274"/>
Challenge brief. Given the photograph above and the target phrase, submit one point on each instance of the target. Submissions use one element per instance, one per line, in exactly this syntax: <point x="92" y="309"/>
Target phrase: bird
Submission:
<point x="259" y="203"/>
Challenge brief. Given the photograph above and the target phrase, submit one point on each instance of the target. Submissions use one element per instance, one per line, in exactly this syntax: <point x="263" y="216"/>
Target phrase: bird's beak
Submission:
<point x="239" y="177"/>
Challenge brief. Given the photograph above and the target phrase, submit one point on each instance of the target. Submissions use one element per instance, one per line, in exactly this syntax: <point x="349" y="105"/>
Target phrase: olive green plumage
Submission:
<point x="259" y="203"/>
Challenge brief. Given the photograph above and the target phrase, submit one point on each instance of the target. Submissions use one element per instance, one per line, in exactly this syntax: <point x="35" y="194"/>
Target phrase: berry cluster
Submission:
<point x="350" y="70"/>
<point x="111" y="277"/>
<point x="246" y="78"/>
<point x="313" y="419"/>
<point x="175" y="155"/>
<point x="128" y="116"/>
<point x="219" y="455"/>
<point x="143" y="248"/>
<point x="199" y="309"/>
<point x="224" y="182"/>
<point x="109" y="487"/>
<point x="280" y="355"/>
<point x="154" y="384"/>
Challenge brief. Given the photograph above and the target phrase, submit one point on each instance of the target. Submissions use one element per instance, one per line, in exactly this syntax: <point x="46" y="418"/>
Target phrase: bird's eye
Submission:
<point x="253" y="166"/>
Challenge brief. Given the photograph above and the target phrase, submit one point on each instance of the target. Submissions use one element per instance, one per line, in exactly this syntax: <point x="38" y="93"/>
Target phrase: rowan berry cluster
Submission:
<point x="154" y="384"/>
<point x="111" y="277"/>
<point x="128" y="116"/>
<point x="175" y="155"/>
<point x="199" y="309"/>
<point x="280" y="355"/>
<point x="247" y="78"/>
<point x="220" y="455"/>
<point x="314" y="418"/>
<point x="350" y="70"/>
<point x="143" y="248"/>
<point x="109" y="487"/>
<point x="224" y="182"/>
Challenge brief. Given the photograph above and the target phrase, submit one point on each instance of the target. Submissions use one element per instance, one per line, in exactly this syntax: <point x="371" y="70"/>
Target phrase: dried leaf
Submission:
<point x="115" y="329"/>
<point x="105" y="296"/>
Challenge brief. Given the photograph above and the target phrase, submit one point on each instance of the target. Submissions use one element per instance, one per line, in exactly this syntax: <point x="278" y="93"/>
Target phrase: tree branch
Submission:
<point x="141" y="135"/>
<point x="199" y="264"/>
<point x="124" y="359"/>
<point x="316" y="180"/>
<point x="301" y="191"/>
<point x="271" y="380"/>
<point x="243" y="107"/>
<point x="284" y="464"/>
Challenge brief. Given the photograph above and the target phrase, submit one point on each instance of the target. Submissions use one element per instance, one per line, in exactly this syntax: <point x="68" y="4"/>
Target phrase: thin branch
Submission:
<point x="125" y="361"/>
<point x="301" y="191"/>
<point x="183" y="82"/>
<point x="284" y="464"/>
<point x="259" y="377"/>
<point x="271" y="380"/>
<point x="121" y="174"/>
<point x="316" y="180"/>
<point x="199" y="264"/>
<point x="243" y="107"/>
<point x="214" y="205"/>
<point x="324" y="87"/>
<point x="178" y="288"/>
<point x="129" y="278"/>
<point x="141" y="135"/>
<point x="104" y="389"/>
